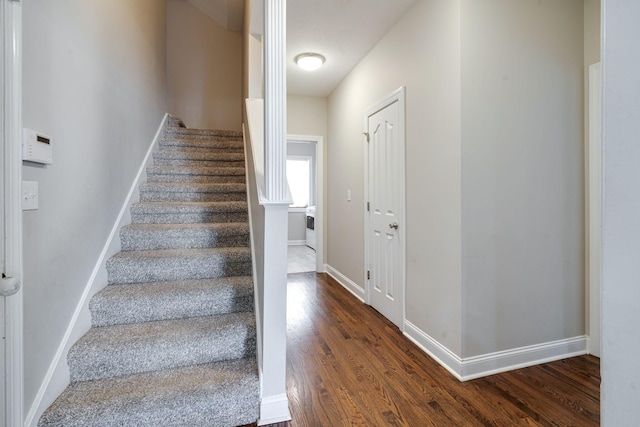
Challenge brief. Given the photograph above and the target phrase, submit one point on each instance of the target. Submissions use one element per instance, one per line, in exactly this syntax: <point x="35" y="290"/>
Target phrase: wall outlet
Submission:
<point x="29" y="195"/>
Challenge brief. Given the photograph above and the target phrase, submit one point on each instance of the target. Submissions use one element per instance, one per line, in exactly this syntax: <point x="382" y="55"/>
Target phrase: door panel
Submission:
<point x="385" y="183"/>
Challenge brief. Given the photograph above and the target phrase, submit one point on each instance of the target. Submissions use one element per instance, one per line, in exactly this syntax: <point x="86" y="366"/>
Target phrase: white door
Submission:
<point x="2" y="226"/>
<point x="385" y="224"/>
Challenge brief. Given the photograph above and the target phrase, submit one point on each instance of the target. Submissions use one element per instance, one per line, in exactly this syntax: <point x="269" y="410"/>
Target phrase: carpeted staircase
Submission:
<point x="173" y="335"/>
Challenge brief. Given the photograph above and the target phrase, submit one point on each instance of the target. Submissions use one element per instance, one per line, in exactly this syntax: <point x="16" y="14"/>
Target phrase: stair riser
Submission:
<point x="152" y="196"/>
<point x="132" y="241"/>
<point x="188" y="218"/>
<point x="207" y="344"/>
<point x="199" y="163"/>
<point x="207" y="149"/>
<point x="137" y="271"/>
<point x="207" y="133"/>
<point x="196" y="179"/>
<point x="156" y="306"/>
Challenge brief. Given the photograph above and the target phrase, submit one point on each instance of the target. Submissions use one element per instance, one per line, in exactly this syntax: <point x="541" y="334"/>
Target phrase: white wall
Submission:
<point x="204" y="69"/>
<point x="421" y="52"/>
<point x="101" y="99"/>
<point x="621" y="249"/>
<point x="522" y="173"/>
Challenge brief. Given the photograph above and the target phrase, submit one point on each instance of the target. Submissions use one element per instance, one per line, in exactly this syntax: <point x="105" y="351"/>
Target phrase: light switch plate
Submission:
<point x="29" y="195"/>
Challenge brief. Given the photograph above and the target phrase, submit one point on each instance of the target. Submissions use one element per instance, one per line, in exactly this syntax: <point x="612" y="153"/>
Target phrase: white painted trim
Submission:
<point x="297" y="242"/>
<point x="254" y="265"/>
<point x="347" y="283"/>
<point x="274" y="409"/>
<point x="57" y="377"/>
<point x="493" y="363"/>
<point x="594" y="185"/>
<point x="398" y="96"/>
<point x="441" y="354"/>
<point x="275" y="101"/>
<point x="522" y="357"/>
<point x="12" y="137"/>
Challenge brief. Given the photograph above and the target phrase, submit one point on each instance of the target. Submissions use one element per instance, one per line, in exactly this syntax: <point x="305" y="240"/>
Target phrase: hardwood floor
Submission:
<point x="349" y="366"/>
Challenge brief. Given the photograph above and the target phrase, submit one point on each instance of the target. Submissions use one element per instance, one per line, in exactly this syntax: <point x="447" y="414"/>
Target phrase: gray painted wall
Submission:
<point x="621" y="228"/>
<point x="422" y="53"/>
<point x="204" y="69"/>
<point x="522" y="173"/>
<point x="101" y="98"/>
<point x="494" y="173"/>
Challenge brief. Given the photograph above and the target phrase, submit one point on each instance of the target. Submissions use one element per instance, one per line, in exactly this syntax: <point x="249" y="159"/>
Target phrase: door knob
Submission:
<point x="394" y="225"/>
<point x="9" y="286"/>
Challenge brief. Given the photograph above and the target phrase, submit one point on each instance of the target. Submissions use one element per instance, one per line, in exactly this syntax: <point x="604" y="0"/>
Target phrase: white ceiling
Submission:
<point x="343" y="31"/>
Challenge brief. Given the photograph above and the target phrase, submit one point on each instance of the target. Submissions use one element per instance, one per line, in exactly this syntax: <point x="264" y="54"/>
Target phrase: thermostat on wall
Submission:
<point x="36" y="147"/>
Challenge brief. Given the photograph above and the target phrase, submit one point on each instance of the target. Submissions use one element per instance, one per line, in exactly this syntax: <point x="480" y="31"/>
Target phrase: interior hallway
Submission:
<point x="347" y="365"/>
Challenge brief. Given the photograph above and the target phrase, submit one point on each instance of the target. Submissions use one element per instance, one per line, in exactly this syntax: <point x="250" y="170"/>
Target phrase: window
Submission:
<point x="299" y="178"/>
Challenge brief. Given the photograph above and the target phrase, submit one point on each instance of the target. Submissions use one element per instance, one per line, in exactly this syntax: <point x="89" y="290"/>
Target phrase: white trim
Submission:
<point x="297" y="242"/>
<point x="57" y="377"/>
<point x="347" y="283"/>
<point x="11" y="143"/>
<point x="493" y="363"/>
<point x="522" y="357"/>
<point x="441" y="354"/>
<point x="274" y="409"/>
<point x="396" y="96"/>
<point x="254" y="265"/>
<point x="297" y="210"/>
<point x="594" y="188"/>
<point x="320" y="198"/>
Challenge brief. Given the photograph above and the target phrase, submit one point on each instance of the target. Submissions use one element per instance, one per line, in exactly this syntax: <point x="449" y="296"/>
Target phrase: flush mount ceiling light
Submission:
<point x="309" y="61"/>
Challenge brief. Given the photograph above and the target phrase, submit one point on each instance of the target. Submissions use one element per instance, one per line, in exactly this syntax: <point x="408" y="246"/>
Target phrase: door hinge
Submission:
<point x="368" y="275"/>
<point x="368" y="207"/>
<point x="367" y="135"/>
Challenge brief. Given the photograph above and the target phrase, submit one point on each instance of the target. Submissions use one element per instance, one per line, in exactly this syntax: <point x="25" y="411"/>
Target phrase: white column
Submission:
<point x="275" y="100"/>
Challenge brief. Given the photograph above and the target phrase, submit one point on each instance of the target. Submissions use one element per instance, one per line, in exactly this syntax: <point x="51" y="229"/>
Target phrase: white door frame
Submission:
<point x="594" y="186"/>
<point x="396" y="96"/>
<point x="319" y="222"/>
<point x="10" y="141"/>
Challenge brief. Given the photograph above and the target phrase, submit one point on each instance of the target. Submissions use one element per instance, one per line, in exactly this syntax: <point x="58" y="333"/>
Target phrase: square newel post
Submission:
<point x="275" y="405"/>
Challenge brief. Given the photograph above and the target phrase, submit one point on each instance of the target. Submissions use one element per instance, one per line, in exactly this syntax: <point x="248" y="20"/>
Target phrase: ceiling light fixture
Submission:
<point x="309" y="61"/>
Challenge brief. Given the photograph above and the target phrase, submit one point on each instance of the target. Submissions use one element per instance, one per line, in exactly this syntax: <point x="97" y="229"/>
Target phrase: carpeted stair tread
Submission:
<point x="222" y="394"/>
<point x="178" y="264"/>
<point x="192" y="192"/>
<point x="191" y="162"/>
<point x="112" y="351"/>
<point x="180" y="131"/>
<point x="198" y="155"/>
<point x="183" y="236"/>
<point x="146" y="302"/>
<point x="203" y="142"/>
<point x="196" y="170"/>
<point x="188" y="212"/>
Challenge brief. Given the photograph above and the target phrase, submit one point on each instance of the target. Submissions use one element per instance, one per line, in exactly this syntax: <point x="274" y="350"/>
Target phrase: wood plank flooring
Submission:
<point x="349" y="366"/>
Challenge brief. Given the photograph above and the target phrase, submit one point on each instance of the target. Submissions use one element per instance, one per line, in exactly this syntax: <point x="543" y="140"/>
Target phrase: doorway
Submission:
<point x="385" y="233"/>
<point x="306" y="216"/>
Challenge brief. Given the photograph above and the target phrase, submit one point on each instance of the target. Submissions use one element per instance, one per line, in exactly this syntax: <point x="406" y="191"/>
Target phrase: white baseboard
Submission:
<point x="508" y="360"/>
<point x="493" y="363"/>
<point x="441" y="354"/>
<point x="347" y="283"/>
<point x="274" y="409"/>
<point x="297" y="242"/>
<point x="57" y="377"/>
